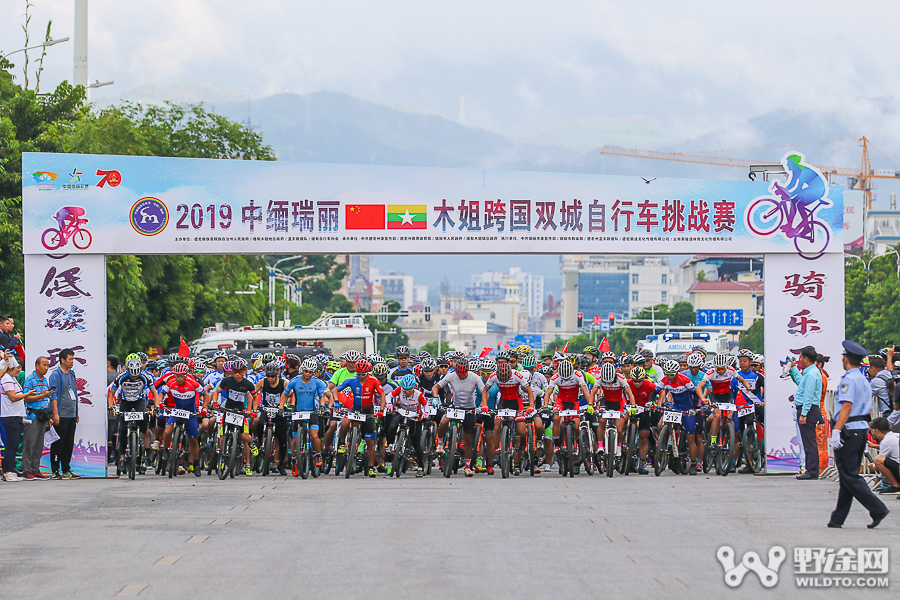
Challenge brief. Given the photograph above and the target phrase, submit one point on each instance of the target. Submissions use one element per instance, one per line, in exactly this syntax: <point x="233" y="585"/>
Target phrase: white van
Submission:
<point x="673" y="344"/>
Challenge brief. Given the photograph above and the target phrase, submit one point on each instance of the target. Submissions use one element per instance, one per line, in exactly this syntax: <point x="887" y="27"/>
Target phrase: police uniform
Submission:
<point x="855" y="389"/>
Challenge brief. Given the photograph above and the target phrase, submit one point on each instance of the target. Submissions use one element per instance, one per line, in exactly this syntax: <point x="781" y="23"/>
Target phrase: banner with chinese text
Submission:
<point x="65" y="307"/>
<point x="151" y="205"/>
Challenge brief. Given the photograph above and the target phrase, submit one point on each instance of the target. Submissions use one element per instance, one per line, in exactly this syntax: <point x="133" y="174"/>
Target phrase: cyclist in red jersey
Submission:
<point x="511" y="384"/>
<point x="564" y="388"/>
<point x="613" y="389"/>
<point x="720" y="379"/>
<point x="645" y="393"/>
<point x="182" y="391"/>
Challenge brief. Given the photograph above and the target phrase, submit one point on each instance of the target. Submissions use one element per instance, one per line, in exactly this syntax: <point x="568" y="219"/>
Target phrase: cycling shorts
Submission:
<point x="368" y="427"/>
<point x="727" y="399"/>
<point x="644" y="421"/>
<point x="565" y="405"/>
<point x="312" y="424"/>
<point x="510" y="403"/>
<point x="487" y="421"/>
<point x="611" y="405"/>
<point x="468" y="423"/>
<point x="190" y="427"/>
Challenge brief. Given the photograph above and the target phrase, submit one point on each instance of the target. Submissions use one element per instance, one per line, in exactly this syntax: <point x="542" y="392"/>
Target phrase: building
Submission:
<point x="715" y="267"/>
<point x="531" y="288"/>
<point x="396" y="286"/>
<point x="597" y="285"/>
<point x="745" y="293"/>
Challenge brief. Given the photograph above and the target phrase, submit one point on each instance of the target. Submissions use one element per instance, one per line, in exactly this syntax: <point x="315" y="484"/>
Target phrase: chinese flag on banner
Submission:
<point x="604" y="346"/>
<point x="183" y="350"/>
<point x="364" y="216"/>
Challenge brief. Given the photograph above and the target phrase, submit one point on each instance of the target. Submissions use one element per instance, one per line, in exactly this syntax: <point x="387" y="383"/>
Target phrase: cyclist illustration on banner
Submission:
<point x="792" y="208"/>
<point x="70" y="220"/>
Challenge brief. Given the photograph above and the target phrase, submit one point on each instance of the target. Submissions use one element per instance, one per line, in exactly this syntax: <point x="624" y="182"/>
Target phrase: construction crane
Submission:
<point x="860" y="178"/>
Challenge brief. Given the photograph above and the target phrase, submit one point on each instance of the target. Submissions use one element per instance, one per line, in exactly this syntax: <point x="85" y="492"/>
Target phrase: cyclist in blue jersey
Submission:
<point x="306" y="391"/>
<point x="679" y="390"/>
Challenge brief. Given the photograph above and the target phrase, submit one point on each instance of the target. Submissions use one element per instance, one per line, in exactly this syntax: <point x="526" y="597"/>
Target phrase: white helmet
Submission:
<point x="695" y="360"/>
<point x="721" y="360"/>
<point x="565" y="369"/>
<point x="608" y="373"/>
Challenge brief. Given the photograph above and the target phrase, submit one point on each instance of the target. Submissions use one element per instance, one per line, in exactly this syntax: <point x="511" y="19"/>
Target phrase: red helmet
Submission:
<point x="462" y="367"/>
<point x="363" y="366"/>
<point x="191" y="364"/>
<point x="180" y="368"/>
<point x="418" y="370"/>
<point x="504" y="371"/>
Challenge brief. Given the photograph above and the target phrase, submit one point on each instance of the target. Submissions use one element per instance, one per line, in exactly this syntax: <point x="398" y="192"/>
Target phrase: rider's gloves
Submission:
<point x="590" y="410"/>
<point x="379" y="415"/>
<point x="485" y="409"/>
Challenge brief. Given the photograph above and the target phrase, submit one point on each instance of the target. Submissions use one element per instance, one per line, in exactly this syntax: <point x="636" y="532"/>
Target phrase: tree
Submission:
<point x="432" y="348"/>
<point x="752" y="339"/>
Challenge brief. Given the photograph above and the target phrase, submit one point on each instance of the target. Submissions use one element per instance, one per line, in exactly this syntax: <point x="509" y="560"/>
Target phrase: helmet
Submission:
<point x="720" y="360"/>
<point x="362" y="365"/>
<point x="590" y="350"/>
<point x="758" y="359"/>
<point x="504" y="371"/>
<point x="273" y="368"/>
<point x="417" y="370"/>
<point x="695" y="360"/>
<point x="130" y="356"/>
<point x="134" y="367"/>
<point x="429" y="364"/>
<point x="180" y="369"/>
<point x="142" y="356"/>
<point x="529" y="362"/>
<point x="488" y="365"/>
<point x="638" y="373"/>
<point x="353" y="356"/>
<point x="376" y="359"/>
<point x="607" y="373"/>
<point x="256" y="356"/>
<point x="523" y="349"/>
<point x="268" y="357"/>
<point x="582" y="361"/>
<point x="671" y="367"/>
<point x="380" y="370"/>
<point x="640" y="359"/>
<point x="566" y="369"/>
<point x="423" y="354"/>
<point x="883" y="352"/>
<point x="407" y="382"/>
<point x="646" y="353"/>
<point x="699" y="349"/>
<point x="503" y="354"/>
<point x="745" y="352"/>
<point x="462" y="367"/>
<point x="546" y="371"/>
<point x="292" y="360"/>
<point x="628" y="359"/>
<point x="732" y="361"/>
<point x="402" y="351"/>
<point x="310" y="364"/>
<point x="608" y="354"/>
<point x="239" y="364"/>
<point x="220" y="354"/>
<point x="333" y="365"/>
<point x="322" y="357"/>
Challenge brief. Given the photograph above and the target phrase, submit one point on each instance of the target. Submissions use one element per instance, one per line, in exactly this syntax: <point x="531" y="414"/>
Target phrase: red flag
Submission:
<point x="356" y="302"/>
<point x="364" y="216"/>
<point x="566" y="347"/>
<point x="484" y="352"/>
<point x="604" y="346"/>
<point x="183" y="350"/>
<point x="284" y="356"/>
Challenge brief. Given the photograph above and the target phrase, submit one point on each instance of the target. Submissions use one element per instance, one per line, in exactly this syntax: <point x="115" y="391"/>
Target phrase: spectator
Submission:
<point x="882" y="383"/>
<point x="112" y="368"/>
<point x="39" y="413"/>
<point x="64" y="403"/>
<point x="8" y="341"/>
<point x="888" y="460"/>
<point x="806" y="400"/>
<point x="12" y="412"/>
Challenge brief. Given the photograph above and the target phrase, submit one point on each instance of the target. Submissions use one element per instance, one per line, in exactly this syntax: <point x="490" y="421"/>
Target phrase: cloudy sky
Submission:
<point x="521" y="66"/>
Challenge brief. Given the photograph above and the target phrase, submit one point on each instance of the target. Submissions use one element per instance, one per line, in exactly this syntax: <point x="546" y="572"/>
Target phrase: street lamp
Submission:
<point x="866" y="265"/>
<point x="98" y="84"/>
<point x="47" y="44"/>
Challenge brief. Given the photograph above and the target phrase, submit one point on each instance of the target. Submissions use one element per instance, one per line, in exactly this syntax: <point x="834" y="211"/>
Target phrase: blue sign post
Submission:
<point x="720" y="318"/>
<point x="529" y="339"/>
<point x="604" y="325"/>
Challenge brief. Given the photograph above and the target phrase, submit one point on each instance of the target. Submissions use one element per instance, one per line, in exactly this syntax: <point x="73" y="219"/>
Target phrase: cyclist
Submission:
<point x="464" y="386"/>
<point x="183" y="392"/>
<point x="363" y="387"/>
<point x="271" y="389"/>
<point x="291" y="366"/>
<point x="403" y="366"/>
<point x="486" y="368"/>
<point x="380" y="372"/>
<point x="307" y="392"/>
<point x="132" y="390"/>
<point x="210" y="381"/>
<point x="679" y="392"/>
<point x="240" y="395"/>
<point x="613" y="389"/>
<point x="645" y="393"/>
<point x="565" y="386"/>
<point x="650" y="367"/>
<point x="512" y="384"/>
<point x="721" y="383"/>
<point x="408" y="397"/>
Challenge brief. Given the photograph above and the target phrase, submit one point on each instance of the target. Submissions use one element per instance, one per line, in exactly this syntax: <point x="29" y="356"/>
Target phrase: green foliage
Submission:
<point x="752" y="339"/>
<point x="432" y="348"/>
<point x="388" y="342"/>
<point x="625" y="340"/>
<point x="872" y="300"/>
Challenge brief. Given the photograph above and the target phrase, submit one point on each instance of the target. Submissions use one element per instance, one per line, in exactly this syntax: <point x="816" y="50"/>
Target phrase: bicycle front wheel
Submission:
<point x="134" y="449"/>
<point x="587" y="456"/>
<point x="610" y="444"/>
<point x="172" y="467"/>
<point x="450" y="451"/>
<point x="529" y="448"/>
<point x="726" y="449"/>
<point x="267" y="452"/>
<point x="662" y="450"/>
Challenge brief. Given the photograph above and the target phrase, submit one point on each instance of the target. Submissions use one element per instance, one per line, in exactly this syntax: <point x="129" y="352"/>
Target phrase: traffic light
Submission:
<point x="612" y="319"/>
<point x="580" y="320"/>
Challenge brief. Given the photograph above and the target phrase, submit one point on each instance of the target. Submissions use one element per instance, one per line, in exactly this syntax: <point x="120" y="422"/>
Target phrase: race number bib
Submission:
<point x="179" y="413"/>
<point x="430" y="410"/>
<point x="612" y="414"/>
<point x="506" y="412"/>
<point x="359" y="417"/>
<point x="746" y="411"/>
<point x="726" y="406"/>
<point x="568" y="413"/>
<point x="234" y="419"/>
<point x="134" y="416"/>
<point x="302" y="415"/>
<point x="271" y="412"/>
<point x="456" y="414"/>
<point x="672" y="417"/>
<point x="409" y="414"/>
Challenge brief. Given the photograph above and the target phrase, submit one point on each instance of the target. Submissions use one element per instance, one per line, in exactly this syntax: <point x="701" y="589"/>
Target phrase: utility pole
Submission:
<point x="80" y="75"/>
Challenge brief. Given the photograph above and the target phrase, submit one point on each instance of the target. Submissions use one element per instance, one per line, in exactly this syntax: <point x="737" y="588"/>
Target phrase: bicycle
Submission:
<point x="610" y="439"/>
<point x="402" y="445"/>
<point x="751" y="445"/>
<point x="266" y="457"/>
<point x="671" y="448"/>
<point x="568" y="454"/>
<point x="429" y="433"/>
<point x="507" y="418"/>
<point x="452" y="452"/>
<point x="303" y="460"/>
<point x="178" y="449"/>
<point x="588" y="443"/>
<point x="631" y="458"/>
<point x="354" y="438"/>
<point x="81" y="238"/>
<point x="530" y="455"/>
<point x="232" y="425"/>
<point x="725" y="444"/>
<point x="132" y="420"/>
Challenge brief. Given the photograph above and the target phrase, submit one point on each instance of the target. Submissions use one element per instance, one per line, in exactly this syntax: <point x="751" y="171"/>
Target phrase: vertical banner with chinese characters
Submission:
<point x="804" y="307"/>
<point x="65" y="307"/>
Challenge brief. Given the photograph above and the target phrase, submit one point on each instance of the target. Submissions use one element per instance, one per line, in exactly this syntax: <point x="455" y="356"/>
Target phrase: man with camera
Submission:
<point x="38" y="407"/>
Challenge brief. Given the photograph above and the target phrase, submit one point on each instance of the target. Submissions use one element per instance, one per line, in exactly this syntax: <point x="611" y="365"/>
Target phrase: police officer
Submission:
<point x="852" y="405"/>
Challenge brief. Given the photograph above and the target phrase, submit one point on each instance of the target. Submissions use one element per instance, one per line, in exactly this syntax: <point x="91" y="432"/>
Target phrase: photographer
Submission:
<point x="882" y="383"/>
<point x="41" y="417"/>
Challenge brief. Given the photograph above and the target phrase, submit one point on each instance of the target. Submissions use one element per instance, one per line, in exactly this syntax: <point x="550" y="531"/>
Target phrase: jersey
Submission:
<point x="682" y="391"/>
<point x="645" y="392"/>
<point x="738" y="389"/>
<point x="183" y="396"/>
<point x="538" y="385"/>
<point x="131" y="390"/>
<point x="426" y="384"/>
<point x="466" y="392"/>
<point x="339" y="377"/>
<point x="399" y="372"/>
<point x="237" y="393"/>
<point x="271" y="394"/>
<point x="212" y="379"/>
<point x="306" y="395"/>
<point x="511" y="390"/>
<point x="364" y="392"/>
<point x="567" y="389"/>
<point x="414" y="402"/>
<point x="614" y="392"/>
<point x="721" y="384"/>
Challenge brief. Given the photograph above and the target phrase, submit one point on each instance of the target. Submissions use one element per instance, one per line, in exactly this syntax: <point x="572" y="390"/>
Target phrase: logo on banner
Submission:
<point x="149" y="216"/>
<point x="112" y="177"/>
<point x="45" y="180"/>
<point x="791" y="210"/>
<point x="70" y="222"/>
<point x="75" y="181"/>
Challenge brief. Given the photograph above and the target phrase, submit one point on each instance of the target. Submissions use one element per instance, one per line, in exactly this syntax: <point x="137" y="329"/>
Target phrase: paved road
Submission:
<point x="587" y="537"/>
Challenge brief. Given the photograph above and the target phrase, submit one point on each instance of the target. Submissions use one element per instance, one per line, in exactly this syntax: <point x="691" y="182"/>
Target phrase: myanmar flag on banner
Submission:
<point x="407" y="216"/>
<point x="364" y="216"/>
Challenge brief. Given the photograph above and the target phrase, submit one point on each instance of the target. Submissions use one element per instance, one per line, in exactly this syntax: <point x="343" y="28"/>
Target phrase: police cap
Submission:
<point x="852" y="348"/>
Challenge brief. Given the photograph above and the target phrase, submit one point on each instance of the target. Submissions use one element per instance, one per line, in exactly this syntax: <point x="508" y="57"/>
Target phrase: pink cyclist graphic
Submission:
<point x="70" y="220"/>
<point x="792" y="209"/>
